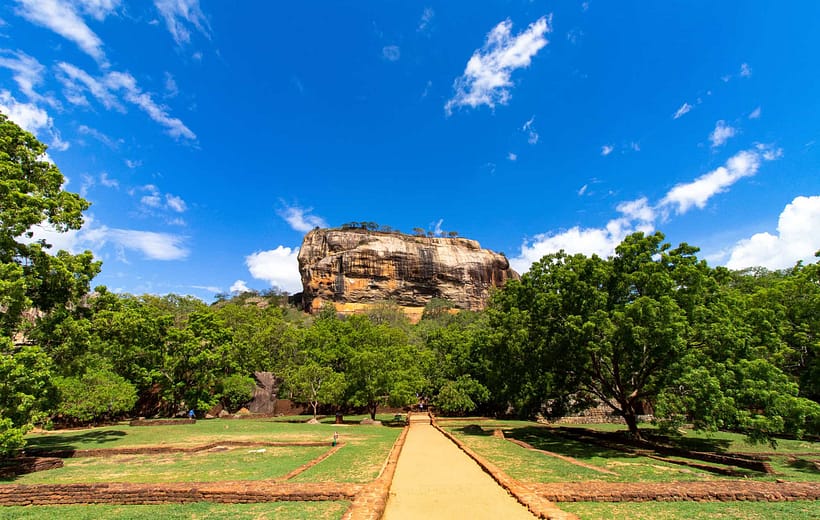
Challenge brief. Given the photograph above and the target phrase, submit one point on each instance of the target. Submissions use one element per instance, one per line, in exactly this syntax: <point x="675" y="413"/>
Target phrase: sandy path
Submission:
<point x="435" y="479"/>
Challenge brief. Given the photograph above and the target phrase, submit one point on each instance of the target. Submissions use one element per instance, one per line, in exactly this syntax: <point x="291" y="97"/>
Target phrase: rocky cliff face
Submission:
<point x="354" y="267"/>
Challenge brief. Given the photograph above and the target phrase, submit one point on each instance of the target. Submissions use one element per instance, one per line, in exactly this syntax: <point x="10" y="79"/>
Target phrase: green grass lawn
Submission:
<point x="197" y="511"/>
<point x="803" y="510"/>
<point x="202" y="432"/>
<point x="239" y="463"/>
<point x="360" y="459"/>
<point x="528" y="465"/>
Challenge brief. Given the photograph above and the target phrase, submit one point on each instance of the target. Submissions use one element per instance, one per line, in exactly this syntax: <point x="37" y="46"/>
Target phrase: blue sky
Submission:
<point x="210" y="136"/>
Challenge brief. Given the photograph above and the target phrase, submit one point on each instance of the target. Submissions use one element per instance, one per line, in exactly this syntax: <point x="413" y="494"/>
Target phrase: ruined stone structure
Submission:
<point x="355" y="268"/>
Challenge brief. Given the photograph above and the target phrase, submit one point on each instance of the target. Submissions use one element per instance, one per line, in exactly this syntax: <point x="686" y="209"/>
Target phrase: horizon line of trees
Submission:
<point x="650" y="327"/>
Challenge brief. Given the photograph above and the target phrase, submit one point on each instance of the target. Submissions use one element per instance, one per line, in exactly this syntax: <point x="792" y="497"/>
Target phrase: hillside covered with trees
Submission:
<point x="652" y="327"/>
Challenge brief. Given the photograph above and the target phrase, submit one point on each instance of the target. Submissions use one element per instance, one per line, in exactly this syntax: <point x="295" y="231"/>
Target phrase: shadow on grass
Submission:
<point x="691" y="443"/>
<point x="474" y="429"/>
<point x="804" y="466"/>
<point x="544" y="439"/>
<point x="54" y="442"/>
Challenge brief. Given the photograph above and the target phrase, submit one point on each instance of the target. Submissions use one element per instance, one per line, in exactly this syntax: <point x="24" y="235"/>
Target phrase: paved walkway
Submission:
<point x="435" y="479"/>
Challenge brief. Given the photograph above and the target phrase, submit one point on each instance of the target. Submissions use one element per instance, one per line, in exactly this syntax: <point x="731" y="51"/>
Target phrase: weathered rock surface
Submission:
<point x="353" y="268"/>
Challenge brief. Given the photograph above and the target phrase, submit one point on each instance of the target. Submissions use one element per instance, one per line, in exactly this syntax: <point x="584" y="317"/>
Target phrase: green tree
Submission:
<point x="315" y="384"/>
<point x="236" y="390"/>
<point x="31" y="194"/>
<point x="27" y="394"/>
<point x="99" y="394"/>
<point x="382" y="366"/>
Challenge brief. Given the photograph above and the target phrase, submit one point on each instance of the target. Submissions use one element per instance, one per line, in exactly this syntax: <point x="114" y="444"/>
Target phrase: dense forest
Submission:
<point x="650" y="328"/>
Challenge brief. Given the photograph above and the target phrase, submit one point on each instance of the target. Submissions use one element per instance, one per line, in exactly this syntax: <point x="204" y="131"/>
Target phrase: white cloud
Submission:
<point x="108" y="182"/>
<point x="532" y="135"/>
<point x="721" y="133"/>
<point x="180" y="15"/>
<point x="487" y="77"/>
<point x="635" y="146"/>
<point x="583" y="189"/>
<point x="426" y="18"/>
<point x="300" y="219"/>
<point x="755" y="114"/>
<point x="437" y="228"/>
<point x="153" y="245"/>
<point x="698" y="192"/>
<point x="154" y="199"/>
<point x="606" y="149"/>
<point x="133" y="164"/>
<point x="279" y="267"/>
<point x="32" y="118"/>
<point x="239" y="286"/>
<point x="61" y="16"/>
<point x="99" y="136"/>
<point x="797" y="238"/>
<point x="685" y="108"/>
<point x="640" y="215"/>
<point x="175" y="203"/>
<point x="511" y="156"/>
<point x="76" y="82"/>
<point x="28" y="73"/>
<point x="391" y="52"/>
<point x="171" y="87"/>
<point x="745" y="71"/>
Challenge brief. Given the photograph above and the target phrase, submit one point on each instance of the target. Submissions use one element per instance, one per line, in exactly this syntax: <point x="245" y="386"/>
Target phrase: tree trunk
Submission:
<point x="631" y="421"/>
<point x="314" y="404"/>
<point x="373" y="411"/>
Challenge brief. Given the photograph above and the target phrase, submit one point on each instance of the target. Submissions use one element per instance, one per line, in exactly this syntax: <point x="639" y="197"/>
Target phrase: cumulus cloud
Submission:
<point x="797" y="238"/>
<point x="239" y="286"/>
<point x="606" y="149"/>
<point x="745" y="71"/>
<point x="108" y="182"/>
<point x="62" y="17"/>
<point x="279" y="267"/>
<point x="487" y="77"/>
<point x="685" y="108"/>
<point x="512" y="156"/>
<point x="721" y="134"/>
<point x="300" y="219"/>
<point x="182" y="15"/>
<point x="641" y="215"/>
<point x="105" y="90"/>
<point x="175" y="203"/>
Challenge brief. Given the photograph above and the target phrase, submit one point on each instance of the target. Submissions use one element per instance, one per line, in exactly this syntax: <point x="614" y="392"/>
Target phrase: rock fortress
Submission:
<point x="354" y="268"/>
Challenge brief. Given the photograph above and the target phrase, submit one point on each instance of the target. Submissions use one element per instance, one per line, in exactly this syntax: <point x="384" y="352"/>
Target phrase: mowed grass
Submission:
<point x="202" y="432"/>
<point x="235" y="464"/>
<point x="359" y="460"/>
<point x="804" y="510"/>
<point x="532" y="466"/>
<point x="196" y="511"/>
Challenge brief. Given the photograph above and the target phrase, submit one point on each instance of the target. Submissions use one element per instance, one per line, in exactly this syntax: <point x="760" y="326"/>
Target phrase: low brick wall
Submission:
<point x="371" y="502"/>
<point x="722" y="491"/>
<point x="233" y="492"/>
<point x="22" y="465"/>
<point x="161" y="422"/>
<point x="157" y="450"/>
<point x="538" y="505"/>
